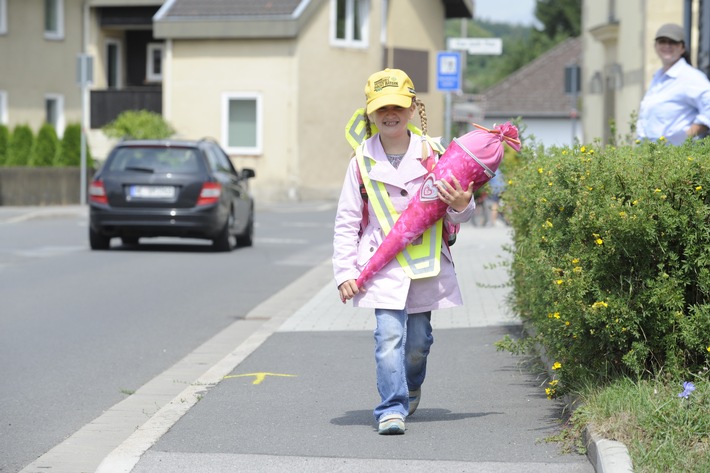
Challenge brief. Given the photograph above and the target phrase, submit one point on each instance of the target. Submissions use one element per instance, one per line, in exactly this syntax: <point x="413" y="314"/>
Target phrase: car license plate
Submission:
<point x="151" y="192"/>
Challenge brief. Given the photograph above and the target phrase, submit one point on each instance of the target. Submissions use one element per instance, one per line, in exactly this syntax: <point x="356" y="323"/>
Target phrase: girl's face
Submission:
<point x="669" y="51"/>
<point x="392" y="120"/>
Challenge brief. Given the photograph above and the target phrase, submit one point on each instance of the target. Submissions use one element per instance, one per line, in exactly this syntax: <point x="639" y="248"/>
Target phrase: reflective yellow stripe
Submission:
<point x="420" y="259"/>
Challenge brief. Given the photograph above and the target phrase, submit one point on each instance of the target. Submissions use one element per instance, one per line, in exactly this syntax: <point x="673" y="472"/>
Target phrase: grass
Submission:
<point x="662" y="431"/>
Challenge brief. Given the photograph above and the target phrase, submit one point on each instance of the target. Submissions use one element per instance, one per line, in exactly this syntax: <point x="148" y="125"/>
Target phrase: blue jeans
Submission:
<point x="402" y="343"/>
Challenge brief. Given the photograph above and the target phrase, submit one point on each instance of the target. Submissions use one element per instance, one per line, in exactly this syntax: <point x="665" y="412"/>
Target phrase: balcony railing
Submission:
<point x="106" y="105"/>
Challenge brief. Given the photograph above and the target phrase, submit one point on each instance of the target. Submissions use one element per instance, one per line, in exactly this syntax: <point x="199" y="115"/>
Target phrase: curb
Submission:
<point x="606" y="456"/>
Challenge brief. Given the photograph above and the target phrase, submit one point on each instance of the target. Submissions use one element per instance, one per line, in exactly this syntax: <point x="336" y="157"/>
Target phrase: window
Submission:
<point x="242" y="123"/>
<point x="3" y="16"/>
<point x="54" y="112"/>
<point x="113" y="64"/>
<point x="349" y="22"/>
<point x="54" y="19"/>
<point x="3" y="108"/>
<point x="154" y="66"/>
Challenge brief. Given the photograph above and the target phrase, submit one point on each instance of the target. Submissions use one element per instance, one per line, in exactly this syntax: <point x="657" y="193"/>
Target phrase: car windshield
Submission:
<point x="155" y="160"/>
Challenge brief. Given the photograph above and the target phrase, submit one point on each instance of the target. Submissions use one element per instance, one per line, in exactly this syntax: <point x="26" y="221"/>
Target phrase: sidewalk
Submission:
<point x="297" y="396"/>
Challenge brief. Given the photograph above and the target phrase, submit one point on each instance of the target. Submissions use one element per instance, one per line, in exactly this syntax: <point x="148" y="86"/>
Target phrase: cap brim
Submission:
<point x="391" y="99"/>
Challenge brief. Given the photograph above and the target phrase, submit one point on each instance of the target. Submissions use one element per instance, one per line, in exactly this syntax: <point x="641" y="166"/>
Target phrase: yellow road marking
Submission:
<point x="259" y="377"/>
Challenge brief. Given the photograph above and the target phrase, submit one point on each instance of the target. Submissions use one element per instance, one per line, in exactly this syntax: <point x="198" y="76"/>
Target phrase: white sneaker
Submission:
<point x="391" y="424"/>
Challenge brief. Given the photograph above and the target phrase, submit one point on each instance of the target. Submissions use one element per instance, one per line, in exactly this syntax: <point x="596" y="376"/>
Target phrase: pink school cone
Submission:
<point x="474" y="157"/>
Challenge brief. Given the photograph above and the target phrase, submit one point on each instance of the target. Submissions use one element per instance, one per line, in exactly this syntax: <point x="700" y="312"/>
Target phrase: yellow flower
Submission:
<point x="556" y="315"/>
<point x="559" y="281"/>
<point x="539" y="170"/>
<point x="662" y="138"/>
<point x="699" y="188"/>
<point x="622" y="214"/>
<point x="556" y="365"/>
<point x="708" y="348"/>
<point x="583" y="149"/>
<point x="599" y="241"/>
<point x="635" y="202"/>
<point x="547" y="224"/>
<point x="657" y="190"/>
<point x="575" y="261"/>
<point x="690" y="158"/>
<point x="567" y="323"/>
<point x="550" y="392"/>
<point x="553" y="383"/>
<point x="599" y="305"/>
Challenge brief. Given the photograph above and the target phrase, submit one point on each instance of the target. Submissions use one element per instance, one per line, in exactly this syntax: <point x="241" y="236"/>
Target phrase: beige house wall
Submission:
<point x="33" y="66"/>
<point x="200" y="73"/>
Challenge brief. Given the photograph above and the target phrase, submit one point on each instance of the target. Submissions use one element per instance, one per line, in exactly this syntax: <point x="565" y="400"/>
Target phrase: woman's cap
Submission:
<point x="389" y="87"/>
<point x="671" y="31"/>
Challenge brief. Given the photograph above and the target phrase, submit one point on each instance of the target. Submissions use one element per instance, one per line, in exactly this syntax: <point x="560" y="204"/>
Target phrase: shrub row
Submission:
<point x="611" y="258"/>
<point x="22" y="148"/>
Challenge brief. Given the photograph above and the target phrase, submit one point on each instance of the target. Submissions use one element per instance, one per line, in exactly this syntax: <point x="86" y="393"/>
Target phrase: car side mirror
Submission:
<point x="247" y="173"/>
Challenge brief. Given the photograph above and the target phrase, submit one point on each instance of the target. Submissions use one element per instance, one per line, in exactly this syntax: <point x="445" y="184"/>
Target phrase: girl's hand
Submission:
<point x="348" y="289"/>
<point x="454" y="196"/>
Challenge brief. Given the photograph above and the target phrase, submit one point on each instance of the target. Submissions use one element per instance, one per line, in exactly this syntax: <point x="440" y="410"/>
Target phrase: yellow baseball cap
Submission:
<point x="389" y="87"/>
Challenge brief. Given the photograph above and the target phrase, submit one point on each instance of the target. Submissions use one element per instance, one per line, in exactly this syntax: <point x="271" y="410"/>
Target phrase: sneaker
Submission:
<point x="392" y="424"/>
<point x="414" y="397"/>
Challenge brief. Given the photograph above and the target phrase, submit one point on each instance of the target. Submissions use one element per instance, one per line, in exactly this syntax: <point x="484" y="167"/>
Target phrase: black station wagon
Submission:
<point x="170" y="188"/>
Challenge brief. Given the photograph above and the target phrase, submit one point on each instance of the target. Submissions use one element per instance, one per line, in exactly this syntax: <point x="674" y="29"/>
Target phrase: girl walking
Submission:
<point x="386" y="171"/>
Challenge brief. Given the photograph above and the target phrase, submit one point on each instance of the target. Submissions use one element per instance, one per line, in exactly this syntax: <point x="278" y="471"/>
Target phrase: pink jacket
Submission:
<point x="390" y="288"/>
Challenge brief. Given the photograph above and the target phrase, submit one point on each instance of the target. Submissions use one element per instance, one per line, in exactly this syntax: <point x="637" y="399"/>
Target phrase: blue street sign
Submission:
<point x="448" y="71"/>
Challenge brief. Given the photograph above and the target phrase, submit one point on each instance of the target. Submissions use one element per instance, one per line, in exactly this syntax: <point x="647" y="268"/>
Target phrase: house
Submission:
<point x="619" y="59"/>
<point x="537" y="93"/>
<point x="274" y="82"/>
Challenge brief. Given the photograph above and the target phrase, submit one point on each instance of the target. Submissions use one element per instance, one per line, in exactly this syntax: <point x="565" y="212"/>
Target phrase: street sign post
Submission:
<point x="449" y="76"/>
<point x="448" y="71"/>
<point x="489" y="46"/>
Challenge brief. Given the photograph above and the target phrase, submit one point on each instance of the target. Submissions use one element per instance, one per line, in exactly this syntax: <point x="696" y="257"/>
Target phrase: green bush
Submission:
<point x="20" y="146"/>
<point x="611" y="258"/>
<point x="70" y="147"/>
<point x="141" y="124"/>
<point x="4" y="141"/>
<point x="45" y="148"/>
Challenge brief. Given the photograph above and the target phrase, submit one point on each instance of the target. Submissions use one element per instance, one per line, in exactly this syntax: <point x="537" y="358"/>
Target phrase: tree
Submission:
<point x="70" y="147"/>
<point x="559" y="18"/>
<point x="45" y="147"/>
<point x="138" y="125"/>
<point x="20" y="146"/>
<point x="4" y="141"/>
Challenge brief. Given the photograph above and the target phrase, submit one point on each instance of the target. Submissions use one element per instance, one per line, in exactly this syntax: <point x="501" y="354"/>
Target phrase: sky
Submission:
<point x="518" y="12"/>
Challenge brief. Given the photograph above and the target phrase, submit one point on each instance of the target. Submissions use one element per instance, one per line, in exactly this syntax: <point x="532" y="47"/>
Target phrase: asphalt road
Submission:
<point x="80" y="331"/>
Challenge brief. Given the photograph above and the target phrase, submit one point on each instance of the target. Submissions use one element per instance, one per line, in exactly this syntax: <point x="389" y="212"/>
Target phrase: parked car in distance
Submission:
<point x="170" y="188"/>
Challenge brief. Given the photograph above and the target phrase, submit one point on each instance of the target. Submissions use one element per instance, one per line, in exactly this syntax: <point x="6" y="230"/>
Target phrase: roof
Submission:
<point x="538" y="88"/>
<point x="256" y="18"/>
<point x="206" y="9"/>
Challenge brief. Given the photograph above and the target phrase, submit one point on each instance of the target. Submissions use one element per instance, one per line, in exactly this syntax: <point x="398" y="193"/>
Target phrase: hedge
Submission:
<point x="611" y="258"/>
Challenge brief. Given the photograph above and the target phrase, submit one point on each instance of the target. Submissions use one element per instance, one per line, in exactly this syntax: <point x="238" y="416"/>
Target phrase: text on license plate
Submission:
<point x="151" y="192"/>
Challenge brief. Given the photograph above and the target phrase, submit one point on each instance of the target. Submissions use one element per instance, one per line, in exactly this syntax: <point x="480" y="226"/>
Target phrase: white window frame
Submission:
<point x="349" y="39"/>
<point x="58" y="32"/>
<point x="3" y="16"/>
<point x="151" y="75"/>
<point x="252" y="150"/>
<point x="119" y="52"/>
<point x="59" y="101"/>
<point x="3" y="108"/>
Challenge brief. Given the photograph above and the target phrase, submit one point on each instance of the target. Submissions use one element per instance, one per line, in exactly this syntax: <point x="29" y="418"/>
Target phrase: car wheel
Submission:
<point x="98" y="241"/>
<point x="222" y="242"/>
<point x="247" y="238"/>
<point x="129" y="241"/>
